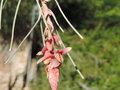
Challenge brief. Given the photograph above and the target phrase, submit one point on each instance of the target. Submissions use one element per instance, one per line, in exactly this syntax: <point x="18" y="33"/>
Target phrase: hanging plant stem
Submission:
<point x="42" y="34"/>
<point x="45" y="22"/>
<point x="68" y="20"/>
<point x="4" y="3"/>
<point x="10" y="58"/>
<point x="13" y="26"/>
<point x="70" y="57"/>
<point x="1" y="5"/>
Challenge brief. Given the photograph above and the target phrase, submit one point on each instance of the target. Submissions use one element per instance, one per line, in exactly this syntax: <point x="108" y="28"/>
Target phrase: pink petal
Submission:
<point x="50" y="24"/>
<point x="49" y="44"/>
<point x="39" y="53"/>
<point x="46" y="31"/>
<point x="47" y="61"/>
<point x="56" y="39"/>
<point x="45" y="10"/>
<point x="47" y="14"/>
<point x="44" y="58"/>
<point x="56" y="20"/>
<point x="64" y="50"/>
<point x="54" y="63"/>
<point x="48" y="40"/>
<point x="59" y="57"/>
<point x="53" y="77"/>
<point x="44" y="49"/>
<point x="47" y="53"/>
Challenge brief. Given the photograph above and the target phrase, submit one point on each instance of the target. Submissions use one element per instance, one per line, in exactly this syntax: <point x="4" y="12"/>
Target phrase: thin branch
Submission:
<point x="84" y="86"/>
<point x="68" y="20"/>
<point x="71" y="58"/>
<point x="4" y="3"/>
<point x="13" y="26"/>
<point x="9" y="59"/>
<point x="41" y="28"/>
<point x="1" y="4"/>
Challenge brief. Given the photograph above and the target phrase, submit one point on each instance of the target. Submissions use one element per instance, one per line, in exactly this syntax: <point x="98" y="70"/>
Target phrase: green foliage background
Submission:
<point x="97" y="55"/>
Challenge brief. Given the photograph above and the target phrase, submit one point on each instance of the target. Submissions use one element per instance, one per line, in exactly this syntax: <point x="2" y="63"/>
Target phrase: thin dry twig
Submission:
<point x="68" y="20"/>
<point x="41" y="28"/>
<point x="4" y="3"/>
<point x="13" y="26"/>
<point x="1" y="5"/>
<point x="10" y="58"/>
<point x="71" y="58"/>
<point x="84" y="86"/>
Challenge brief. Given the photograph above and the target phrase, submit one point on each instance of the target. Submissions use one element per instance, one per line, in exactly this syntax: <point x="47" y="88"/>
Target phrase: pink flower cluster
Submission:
<point x="52" y="57"/>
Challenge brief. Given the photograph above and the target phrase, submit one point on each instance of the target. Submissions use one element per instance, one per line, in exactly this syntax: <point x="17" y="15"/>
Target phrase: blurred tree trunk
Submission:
<point x="12" y="75"/>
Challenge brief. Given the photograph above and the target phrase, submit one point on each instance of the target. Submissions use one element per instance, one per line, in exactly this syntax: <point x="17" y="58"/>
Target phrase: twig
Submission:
<point x="71" y="58"/>
<point x="41" y="28"/>
<point x="1" y="4"/>
<point x="9" y="59"/>
<point x="68" y="20"/>
<point x="4" y="4"/>
<point x="84" y="86"/>
<point x="13" y="26"/>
